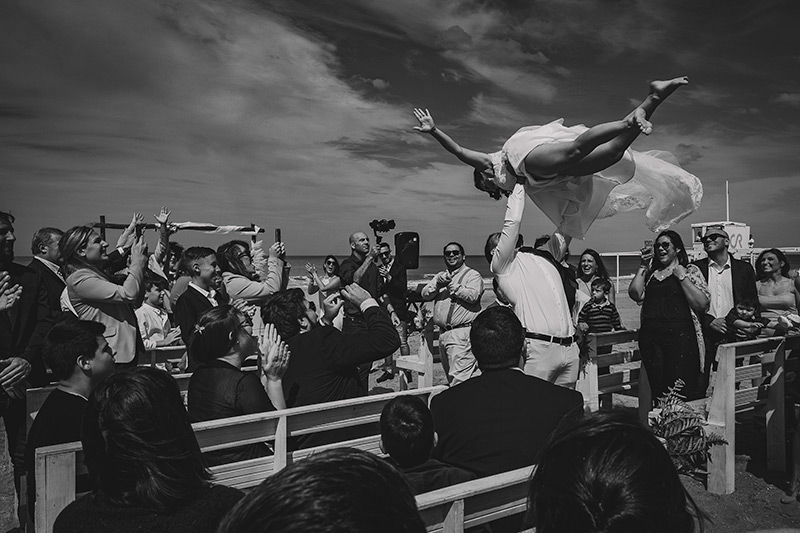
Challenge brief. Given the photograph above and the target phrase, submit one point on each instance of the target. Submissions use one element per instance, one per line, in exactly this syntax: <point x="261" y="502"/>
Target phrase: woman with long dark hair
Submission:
<point x="243" y="281"/>
<point x="672" y="292"/>
<point x="609" y="473"/>
<point x="590" y="268"/>
<point x="144" y="461"/>
<point x="91" y="294"/>
<point x="778" y="293"/>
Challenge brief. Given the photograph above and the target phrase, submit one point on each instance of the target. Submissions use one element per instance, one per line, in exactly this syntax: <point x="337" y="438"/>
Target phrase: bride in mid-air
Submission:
<point x="570" y="172"/>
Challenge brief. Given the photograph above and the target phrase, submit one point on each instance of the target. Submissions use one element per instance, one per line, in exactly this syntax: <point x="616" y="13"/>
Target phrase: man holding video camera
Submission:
<point x="360" y="268"/>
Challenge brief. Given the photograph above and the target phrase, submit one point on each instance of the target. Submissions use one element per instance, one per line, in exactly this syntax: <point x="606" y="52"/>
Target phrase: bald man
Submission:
<point x="360" y="268"/>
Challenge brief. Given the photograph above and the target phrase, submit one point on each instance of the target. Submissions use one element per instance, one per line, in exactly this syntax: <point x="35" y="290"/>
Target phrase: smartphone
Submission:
<point x="648" y="243"/>
<point x="277" y="234"/>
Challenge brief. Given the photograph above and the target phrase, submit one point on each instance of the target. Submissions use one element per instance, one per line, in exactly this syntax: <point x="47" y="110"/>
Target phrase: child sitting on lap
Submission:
<point x="407" y="436"/>
<point x="743" y="321"/>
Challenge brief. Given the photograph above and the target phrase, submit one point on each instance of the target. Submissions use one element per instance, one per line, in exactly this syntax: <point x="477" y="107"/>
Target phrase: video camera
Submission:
<point x="381" y="226"/>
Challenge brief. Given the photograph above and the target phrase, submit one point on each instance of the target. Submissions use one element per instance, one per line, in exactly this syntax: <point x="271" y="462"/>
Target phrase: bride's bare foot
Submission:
<point x="661" y="89"/>
<point x="637" y="119"/>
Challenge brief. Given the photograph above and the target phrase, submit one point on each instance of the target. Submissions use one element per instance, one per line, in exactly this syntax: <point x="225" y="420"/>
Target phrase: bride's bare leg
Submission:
<point x="612" y="151"/>
<point x="547" y="160"/>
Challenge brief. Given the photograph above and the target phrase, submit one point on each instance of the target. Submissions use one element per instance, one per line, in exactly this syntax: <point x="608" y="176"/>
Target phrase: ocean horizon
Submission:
<point x="429" y="265"/>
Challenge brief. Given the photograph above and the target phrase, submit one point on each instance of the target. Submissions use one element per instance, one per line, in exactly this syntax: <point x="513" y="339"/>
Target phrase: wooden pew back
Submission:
<point x="453" y="509"/>
<point x="58" y="466"/>
<point x="742" y="367"/>
<point x="596" y="378"/>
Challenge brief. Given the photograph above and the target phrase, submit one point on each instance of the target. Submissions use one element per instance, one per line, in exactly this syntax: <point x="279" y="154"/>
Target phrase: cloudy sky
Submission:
<point x="297" y="114"/>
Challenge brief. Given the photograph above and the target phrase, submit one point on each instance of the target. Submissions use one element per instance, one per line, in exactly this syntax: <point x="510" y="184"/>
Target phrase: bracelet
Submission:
<point x="432" y="129"/>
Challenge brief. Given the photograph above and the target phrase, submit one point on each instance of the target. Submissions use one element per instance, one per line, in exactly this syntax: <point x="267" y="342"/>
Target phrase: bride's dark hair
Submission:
<point x="495" y="192"/>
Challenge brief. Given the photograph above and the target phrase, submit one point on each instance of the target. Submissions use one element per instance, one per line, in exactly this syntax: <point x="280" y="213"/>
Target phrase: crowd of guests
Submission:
<point x="88" y="316"/>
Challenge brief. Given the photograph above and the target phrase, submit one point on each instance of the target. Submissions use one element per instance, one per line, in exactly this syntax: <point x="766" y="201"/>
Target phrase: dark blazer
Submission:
<point x="323" y="365"/>
<point x="395" y="289"/>
<point x="24" y="326"/>
<point x="324" y="368"/>
<point x="499" y="421"/>
<point x="53" y="285"/>
<point x="743" y="279"/>
<point x="188" y="309"/>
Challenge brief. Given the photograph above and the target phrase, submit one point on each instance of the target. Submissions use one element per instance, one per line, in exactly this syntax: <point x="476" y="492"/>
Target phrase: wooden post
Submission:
<point x="721" y="420"/>
<point x="281" y="436"/>
<point x="776" y="406"/>
<point x="454" y="521"/>
<point x="55" y="484"/>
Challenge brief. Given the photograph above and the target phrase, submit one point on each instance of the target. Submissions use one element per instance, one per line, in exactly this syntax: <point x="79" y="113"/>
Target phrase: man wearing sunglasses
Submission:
<point x="456" y="292"/>
<point x="729" y="280"/>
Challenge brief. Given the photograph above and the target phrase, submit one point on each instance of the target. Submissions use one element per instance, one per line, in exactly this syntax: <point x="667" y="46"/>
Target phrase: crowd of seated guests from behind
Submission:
<point x="144" y="461"/>
<point x="461" y="437"/>
<point x="80" y="358"/>
<point x="222" y="340"/>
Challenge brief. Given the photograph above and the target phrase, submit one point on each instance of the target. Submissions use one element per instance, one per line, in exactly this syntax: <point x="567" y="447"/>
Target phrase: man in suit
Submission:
<point x="325" y="361"/>
<point x="395" y="284"/>
<point x="729" y="280"/>
<point x="23" y="328"/>
<point x="202" y="293"/>
<point x="47" y="262"/>
<point x="499" y="420"/>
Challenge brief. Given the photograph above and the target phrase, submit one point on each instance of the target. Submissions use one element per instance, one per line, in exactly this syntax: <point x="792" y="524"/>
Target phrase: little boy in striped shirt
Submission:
<point x="599" y="315"/>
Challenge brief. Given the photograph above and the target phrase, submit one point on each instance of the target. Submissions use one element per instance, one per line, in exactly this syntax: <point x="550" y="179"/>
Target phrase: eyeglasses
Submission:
<point x="709" y="238"/>
<point x="663" y="244"/>
<point x="384" y="254"/>
<point x="330" y="262"/>
<point x="452" y="253"/>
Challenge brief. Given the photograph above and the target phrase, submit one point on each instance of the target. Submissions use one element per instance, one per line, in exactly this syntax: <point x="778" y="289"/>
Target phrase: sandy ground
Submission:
<point x="753" y="506"/>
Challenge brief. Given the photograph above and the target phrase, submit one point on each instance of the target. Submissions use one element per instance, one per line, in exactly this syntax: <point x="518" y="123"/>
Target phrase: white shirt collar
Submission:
<point x="49" y="264"/>
<point x="723" y="266"/>
<point x="208" y="294"/>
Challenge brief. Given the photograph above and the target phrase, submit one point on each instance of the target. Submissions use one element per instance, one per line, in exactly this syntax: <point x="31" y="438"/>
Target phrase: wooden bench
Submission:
<point x="596" y="380"/>
<point x="742" y="368"/>
<point x="162" y="355"/>
<point x="35" y="397"/>
<point x="420" y="363"/>
<point x="57" y="466"/>
<point x="452" y="509"/>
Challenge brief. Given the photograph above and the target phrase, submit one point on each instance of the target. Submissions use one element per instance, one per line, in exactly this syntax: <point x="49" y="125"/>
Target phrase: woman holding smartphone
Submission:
<point x="671" y="292"/>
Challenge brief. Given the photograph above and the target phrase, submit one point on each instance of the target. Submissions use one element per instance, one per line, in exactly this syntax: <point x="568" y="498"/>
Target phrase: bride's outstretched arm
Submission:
<point x="475" y="159"/>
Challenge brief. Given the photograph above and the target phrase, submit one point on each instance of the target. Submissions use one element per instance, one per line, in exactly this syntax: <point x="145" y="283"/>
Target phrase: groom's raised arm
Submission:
<point x="506" y="246"/>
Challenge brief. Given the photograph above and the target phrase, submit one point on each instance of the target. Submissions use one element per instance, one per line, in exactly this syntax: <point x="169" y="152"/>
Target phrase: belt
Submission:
<point x="449" y="327"/>
<point x="563" y="341"/>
